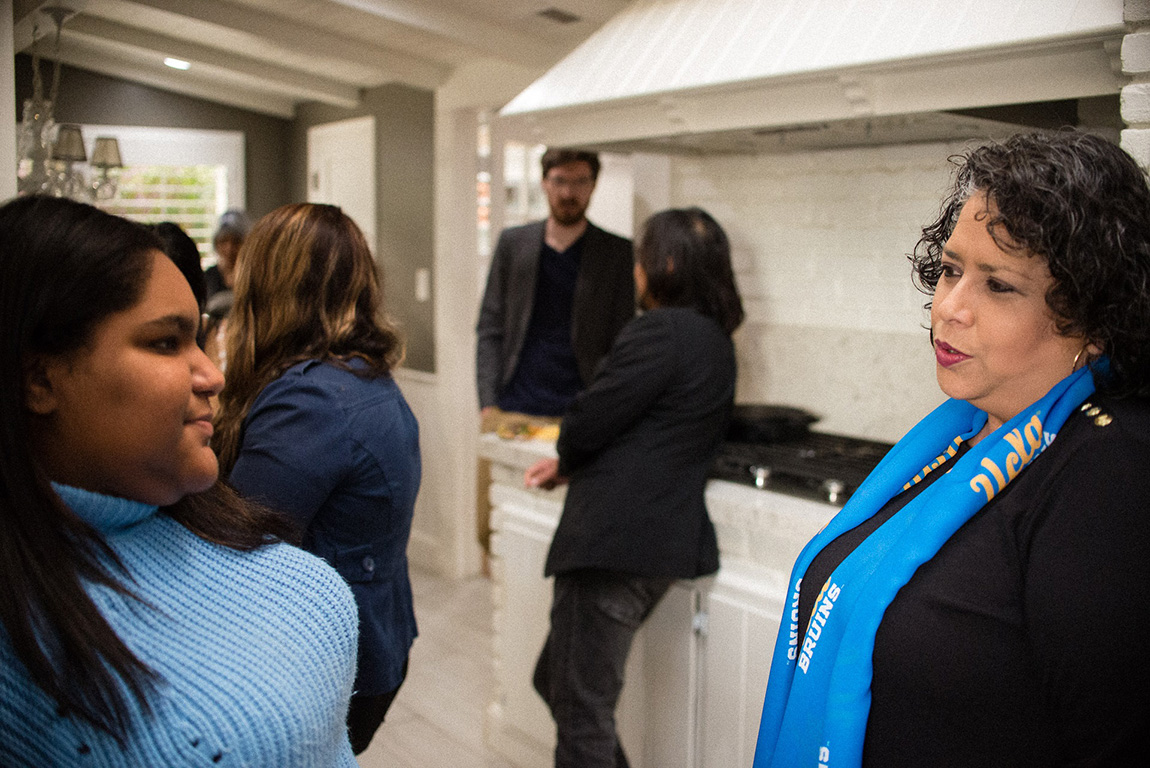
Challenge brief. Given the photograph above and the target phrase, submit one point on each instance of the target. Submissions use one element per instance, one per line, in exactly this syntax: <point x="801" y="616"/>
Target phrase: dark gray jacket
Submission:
<point x="604" y="302"/>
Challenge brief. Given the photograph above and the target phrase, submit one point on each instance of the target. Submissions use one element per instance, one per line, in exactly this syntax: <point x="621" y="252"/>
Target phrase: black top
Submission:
<point x="637" y="444"/>
<point x="1025" y="641"/>
<point x="214" y="281"/>
<point x="833" y="554"/>
<point x="547" y="377"/>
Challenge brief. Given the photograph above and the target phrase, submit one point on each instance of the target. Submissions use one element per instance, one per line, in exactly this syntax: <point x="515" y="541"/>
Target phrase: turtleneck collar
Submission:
<point x="104" y="513"/>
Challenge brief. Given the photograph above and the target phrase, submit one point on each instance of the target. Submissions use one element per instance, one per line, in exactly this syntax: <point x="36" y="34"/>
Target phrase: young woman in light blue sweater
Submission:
<point x="149" y="616"/>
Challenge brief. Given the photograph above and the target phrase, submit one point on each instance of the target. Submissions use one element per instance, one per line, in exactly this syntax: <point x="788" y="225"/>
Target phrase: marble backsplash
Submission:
<point x="819" y="243"/>
<point x="863" y="383"/>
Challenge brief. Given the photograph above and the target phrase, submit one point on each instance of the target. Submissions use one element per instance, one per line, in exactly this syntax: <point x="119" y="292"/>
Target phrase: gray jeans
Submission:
<point x="594" y="616"/>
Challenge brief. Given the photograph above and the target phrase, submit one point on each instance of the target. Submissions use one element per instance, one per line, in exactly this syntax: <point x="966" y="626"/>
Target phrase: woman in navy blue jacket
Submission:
<point x="312" y="424"/>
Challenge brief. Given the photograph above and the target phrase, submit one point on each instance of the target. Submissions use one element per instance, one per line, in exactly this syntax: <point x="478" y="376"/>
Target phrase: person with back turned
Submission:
<point x="313" y="424"/>
<point x="636" y="445"/>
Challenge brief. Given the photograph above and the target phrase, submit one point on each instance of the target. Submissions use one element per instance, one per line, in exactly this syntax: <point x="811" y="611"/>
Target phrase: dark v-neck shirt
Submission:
<point x="547" y="377"/>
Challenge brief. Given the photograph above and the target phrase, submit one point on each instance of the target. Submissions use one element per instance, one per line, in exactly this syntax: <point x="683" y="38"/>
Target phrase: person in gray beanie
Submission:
<point x="230" y="233"/>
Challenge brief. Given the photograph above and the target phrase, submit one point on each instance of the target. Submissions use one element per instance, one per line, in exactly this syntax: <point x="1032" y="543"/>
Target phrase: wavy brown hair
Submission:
<point x="1082" y="205"/>
<point x="306" y="289"/>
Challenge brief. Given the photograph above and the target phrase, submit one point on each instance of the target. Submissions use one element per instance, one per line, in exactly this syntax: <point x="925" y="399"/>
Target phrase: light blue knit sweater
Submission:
<point x="256" y="651"/>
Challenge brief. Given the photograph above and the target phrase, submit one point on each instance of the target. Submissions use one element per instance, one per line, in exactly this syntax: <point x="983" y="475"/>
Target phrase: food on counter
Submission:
<point x="543" y="432"/>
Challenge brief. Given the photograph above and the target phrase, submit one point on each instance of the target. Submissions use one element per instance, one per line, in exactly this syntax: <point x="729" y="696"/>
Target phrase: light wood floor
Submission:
<point x="436" y="720"/>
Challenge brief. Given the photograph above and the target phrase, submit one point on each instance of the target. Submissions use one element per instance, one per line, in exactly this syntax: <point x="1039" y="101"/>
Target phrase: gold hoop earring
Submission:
<point x="1074" y="365"/>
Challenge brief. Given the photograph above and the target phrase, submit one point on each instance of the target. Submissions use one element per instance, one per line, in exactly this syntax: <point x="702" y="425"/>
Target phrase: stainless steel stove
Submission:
<point x="816" y="465"/>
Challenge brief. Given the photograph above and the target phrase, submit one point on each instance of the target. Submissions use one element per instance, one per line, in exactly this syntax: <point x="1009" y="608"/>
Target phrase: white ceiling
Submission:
<point x="269" y="55"/>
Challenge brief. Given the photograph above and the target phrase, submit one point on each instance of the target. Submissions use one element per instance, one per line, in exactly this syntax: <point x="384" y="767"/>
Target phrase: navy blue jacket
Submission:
<point x="340" y="454"/>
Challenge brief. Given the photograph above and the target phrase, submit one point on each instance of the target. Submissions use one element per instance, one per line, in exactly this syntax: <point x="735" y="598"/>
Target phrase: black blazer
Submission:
<point x="604" y="302"/>
<point x="637" y="444"/>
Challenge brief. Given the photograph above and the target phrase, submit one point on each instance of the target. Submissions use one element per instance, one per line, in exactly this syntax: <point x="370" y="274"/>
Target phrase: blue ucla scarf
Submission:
<point x="818" y="694"/>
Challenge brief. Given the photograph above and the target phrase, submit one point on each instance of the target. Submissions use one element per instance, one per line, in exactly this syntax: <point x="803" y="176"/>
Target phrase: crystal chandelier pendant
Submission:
<point x="34" y="144"/>
<point x="49" y="153"/>
<point x="106" y="158"/>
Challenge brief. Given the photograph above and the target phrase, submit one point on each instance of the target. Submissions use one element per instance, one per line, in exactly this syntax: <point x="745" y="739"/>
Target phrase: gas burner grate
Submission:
<point x="818" y="464"/>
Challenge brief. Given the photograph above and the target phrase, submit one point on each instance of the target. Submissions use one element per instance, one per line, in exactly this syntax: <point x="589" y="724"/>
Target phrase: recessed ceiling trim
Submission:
<point x="76" y="54"/>
<point x="297" y="41"/>
<point x="480" y="35"/>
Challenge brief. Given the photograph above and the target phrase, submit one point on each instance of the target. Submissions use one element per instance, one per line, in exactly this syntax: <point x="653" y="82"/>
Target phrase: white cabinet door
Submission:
<point x="519" y="724"/>
<point x="656" y="717"/>
<point x="671" y="662"/>
<point x="743" y="610"/>
<point x="692" y="696"/>
<point x="341" y="169"/>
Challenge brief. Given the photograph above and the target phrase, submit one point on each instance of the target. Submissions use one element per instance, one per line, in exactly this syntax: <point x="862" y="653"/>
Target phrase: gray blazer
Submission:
<point x="604" y="302"/>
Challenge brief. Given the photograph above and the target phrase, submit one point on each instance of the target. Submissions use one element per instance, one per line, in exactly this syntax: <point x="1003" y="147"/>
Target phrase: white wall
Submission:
<point x="443" y="533"/>
<point x="613" y="203"/>
<point x="443" y="530"/>
<point x="819" y="242"/>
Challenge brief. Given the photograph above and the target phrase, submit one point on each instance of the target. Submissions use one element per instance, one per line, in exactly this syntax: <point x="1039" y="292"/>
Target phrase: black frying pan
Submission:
<point x="754" y="423"/>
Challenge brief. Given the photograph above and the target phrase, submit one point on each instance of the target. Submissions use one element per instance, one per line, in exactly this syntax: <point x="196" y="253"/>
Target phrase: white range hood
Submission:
<point x="747" y="75"/>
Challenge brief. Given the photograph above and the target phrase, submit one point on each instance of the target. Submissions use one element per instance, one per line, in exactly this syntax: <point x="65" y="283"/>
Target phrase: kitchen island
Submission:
<point x="698" y="668"/>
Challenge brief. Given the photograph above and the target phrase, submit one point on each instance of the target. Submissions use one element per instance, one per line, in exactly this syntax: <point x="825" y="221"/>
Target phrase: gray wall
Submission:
<point x="405" y="156"/>
<point x="276" y="166"/>
<point x="87" y="97"/>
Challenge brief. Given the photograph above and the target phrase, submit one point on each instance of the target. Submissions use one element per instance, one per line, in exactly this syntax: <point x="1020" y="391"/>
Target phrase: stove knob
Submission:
<point x="762" y="475"/>
<point x="833" y="489"/>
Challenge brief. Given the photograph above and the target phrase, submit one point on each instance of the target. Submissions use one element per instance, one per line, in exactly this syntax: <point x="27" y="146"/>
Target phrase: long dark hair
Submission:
<point x="306" y="288"/>
<point x="182" y="250"/>
<point x="1082" y="205"/>
<point x="65" y="267"/>
<point x="687" y="258"/>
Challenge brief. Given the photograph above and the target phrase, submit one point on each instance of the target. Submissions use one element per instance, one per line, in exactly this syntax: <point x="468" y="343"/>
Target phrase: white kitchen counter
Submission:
<point x="698" y="669"/>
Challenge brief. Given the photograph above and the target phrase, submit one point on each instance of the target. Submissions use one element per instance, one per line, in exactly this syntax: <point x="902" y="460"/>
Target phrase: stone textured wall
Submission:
<point x="820" y="243"/>
<point x="1136" y="95"/>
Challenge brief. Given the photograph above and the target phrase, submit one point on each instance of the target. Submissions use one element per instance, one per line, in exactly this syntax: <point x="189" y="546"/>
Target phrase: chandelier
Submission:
<point x="49" y="153"/>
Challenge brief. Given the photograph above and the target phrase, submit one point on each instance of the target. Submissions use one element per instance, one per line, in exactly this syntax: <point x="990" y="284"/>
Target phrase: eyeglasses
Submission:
<point x="563" y="182"/>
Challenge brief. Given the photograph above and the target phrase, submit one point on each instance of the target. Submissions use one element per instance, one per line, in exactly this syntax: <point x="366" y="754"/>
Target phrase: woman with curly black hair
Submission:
<point x="983" y="597"/>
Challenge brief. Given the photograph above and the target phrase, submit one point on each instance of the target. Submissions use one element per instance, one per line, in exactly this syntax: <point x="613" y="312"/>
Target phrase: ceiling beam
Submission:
<point x="300" y="39"/>
<point x="292" y="83"/>
<point x="490" y="39"/>
<point x="76" y="53"/>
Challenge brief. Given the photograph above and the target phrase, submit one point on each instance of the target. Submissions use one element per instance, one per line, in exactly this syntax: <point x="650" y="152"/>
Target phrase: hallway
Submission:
<point x="437" y="718"/>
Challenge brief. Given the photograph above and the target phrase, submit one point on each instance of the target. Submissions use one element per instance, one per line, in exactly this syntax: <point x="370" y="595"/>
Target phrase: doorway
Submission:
<point x="341" y="169"/>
